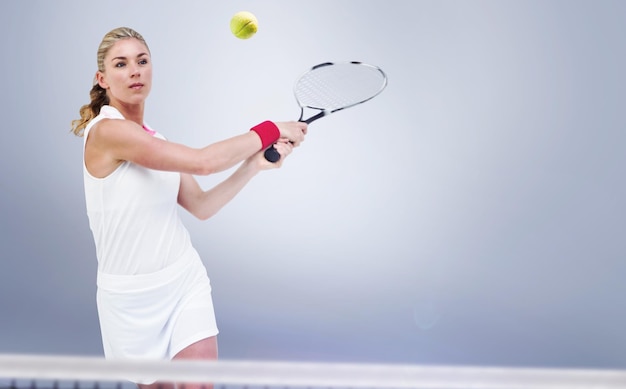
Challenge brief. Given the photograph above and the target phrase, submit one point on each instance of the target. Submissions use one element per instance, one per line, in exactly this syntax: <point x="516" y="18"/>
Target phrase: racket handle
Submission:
<point x="272" y="155"/>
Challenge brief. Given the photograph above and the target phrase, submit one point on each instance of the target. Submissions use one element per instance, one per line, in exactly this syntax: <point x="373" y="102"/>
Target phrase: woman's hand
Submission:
<point x="294" y="132"/>
<point x="284" y="148"/>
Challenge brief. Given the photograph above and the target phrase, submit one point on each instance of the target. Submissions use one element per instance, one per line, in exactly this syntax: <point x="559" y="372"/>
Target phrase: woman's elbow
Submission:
<point x="208" y="167"/>
<point x="202" y="213"/>
<point x="204" y="168"/>
<point x="203" y="216"/>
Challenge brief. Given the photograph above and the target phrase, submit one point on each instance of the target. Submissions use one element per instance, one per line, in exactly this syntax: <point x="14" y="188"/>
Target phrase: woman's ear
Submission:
<point x="101" y="81"/>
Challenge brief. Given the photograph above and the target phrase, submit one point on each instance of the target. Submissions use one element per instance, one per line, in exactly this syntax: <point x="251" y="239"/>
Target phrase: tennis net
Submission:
<point x="73" y="372"/>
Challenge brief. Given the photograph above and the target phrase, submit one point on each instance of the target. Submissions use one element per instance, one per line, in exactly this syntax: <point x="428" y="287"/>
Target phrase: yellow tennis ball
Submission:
<point x="244" y="25"/>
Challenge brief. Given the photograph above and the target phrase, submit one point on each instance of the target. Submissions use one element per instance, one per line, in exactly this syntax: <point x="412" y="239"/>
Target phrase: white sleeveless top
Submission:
<point x="133" y="215"/>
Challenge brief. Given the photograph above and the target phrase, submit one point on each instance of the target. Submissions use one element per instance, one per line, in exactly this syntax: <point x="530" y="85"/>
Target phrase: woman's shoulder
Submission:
<point x="106" y="112"/>
<point x="110" y="122"/>
<point x="109" y="112"/>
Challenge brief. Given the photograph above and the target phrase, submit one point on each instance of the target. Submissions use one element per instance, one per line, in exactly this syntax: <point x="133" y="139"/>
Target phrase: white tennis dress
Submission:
<point x="154" y="296"/>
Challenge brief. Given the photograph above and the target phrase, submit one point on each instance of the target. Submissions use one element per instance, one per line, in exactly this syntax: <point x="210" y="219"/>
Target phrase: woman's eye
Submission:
<point x="120" y="65"/>
<point x="143" y="62"/>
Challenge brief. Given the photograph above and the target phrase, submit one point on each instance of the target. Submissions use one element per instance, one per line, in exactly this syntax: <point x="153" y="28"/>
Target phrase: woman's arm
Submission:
<point x="204" y="204"/>
<point x="113" y="141"/>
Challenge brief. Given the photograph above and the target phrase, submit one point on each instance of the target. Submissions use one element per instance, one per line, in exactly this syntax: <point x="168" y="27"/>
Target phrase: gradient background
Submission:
<point x="471" y="214"/>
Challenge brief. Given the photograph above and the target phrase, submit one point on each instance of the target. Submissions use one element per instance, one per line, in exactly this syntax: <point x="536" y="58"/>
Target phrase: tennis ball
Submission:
<point x="244" y="25"/>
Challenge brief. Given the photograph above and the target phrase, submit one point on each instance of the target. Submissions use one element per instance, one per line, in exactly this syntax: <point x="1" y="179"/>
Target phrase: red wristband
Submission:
<point x="268" y="132"/>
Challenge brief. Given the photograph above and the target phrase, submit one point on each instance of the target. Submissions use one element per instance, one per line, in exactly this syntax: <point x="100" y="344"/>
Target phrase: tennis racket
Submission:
<point x="332" y="86"/>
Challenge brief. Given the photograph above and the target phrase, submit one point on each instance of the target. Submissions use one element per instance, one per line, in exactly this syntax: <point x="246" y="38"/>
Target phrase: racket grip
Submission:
<point x="272" y="155"/>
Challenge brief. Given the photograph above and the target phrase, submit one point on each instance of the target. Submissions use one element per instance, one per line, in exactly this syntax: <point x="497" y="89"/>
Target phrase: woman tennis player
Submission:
<point x="153" y="295"/>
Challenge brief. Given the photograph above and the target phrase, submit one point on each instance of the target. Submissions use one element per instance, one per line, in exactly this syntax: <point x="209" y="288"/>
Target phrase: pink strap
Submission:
<point x="149" y="131"/>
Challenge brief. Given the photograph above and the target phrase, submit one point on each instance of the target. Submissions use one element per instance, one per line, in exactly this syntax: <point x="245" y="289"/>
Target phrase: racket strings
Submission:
<point x="339" y="86"/>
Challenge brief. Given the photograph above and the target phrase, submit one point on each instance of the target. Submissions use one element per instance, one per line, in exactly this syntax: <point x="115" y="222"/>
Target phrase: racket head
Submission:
<point x="332" y="86"/>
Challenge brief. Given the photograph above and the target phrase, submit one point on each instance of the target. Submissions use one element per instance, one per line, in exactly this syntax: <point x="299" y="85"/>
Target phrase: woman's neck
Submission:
<point x="132" y="112"/>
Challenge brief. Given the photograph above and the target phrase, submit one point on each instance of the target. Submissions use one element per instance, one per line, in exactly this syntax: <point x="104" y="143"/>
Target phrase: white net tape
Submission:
<point x="311" y="375"/>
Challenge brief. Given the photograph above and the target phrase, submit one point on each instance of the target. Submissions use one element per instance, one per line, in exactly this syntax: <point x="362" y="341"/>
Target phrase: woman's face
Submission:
<point x="127" y="75"/>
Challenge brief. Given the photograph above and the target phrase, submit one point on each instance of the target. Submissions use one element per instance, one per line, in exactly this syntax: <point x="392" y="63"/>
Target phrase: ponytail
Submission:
<point x="89" y="111"/>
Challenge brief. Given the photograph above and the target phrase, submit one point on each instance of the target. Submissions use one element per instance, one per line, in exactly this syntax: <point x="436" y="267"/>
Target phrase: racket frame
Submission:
<point x="271" y="154"/>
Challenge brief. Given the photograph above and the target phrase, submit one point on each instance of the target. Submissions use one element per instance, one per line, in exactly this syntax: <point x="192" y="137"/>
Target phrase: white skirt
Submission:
<point x="156" y="315"/>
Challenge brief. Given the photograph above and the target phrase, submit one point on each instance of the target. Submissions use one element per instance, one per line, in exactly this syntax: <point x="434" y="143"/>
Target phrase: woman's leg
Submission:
<point x="202" y="349"/>
<point x="205" y="349"/>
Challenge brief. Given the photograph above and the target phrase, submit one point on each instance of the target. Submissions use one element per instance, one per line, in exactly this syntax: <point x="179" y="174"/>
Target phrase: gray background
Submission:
<point x="471" y="214"/>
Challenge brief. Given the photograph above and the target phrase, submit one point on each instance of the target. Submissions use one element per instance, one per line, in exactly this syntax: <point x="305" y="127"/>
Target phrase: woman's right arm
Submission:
<point x="112" y="141"/>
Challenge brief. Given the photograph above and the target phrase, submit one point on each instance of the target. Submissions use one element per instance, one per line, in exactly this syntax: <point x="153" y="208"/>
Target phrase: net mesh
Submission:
<point x="339" y="85"/>
<point x="54" y="372"/>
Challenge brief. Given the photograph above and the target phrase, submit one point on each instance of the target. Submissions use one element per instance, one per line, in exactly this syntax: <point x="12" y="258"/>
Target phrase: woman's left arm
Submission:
<point x="204" y="204"/>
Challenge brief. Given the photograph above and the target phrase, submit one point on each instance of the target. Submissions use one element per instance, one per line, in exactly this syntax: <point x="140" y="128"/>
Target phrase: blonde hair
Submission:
<point x="98" y="94"/>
